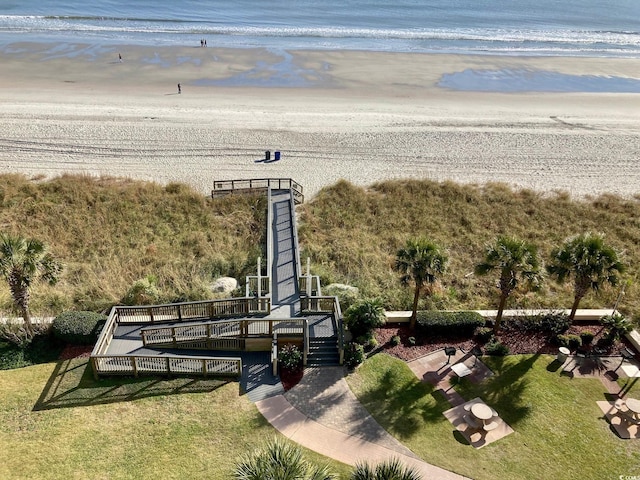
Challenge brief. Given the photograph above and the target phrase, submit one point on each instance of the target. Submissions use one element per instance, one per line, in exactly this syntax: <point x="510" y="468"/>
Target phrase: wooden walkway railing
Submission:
<point x="104" y="364"/>
<point x="225" y="187"/>
<point x="221" y="331"/>
<point x="189" y="311"/>
<point x="172" y="365"/>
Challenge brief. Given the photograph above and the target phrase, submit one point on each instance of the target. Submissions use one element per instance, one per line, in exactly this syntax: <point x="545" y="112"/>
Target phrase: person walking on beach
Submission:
<point x="120" y="58"/>
<point x="179" y="89"/>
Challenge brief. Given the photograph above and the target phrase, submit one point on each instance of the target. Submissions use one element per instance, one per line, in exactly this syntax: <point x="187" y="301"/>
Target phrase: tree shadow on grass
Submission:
<point x="72" y="384"/>
<point x="504" y="390"/>
<point x="403" y="408"/>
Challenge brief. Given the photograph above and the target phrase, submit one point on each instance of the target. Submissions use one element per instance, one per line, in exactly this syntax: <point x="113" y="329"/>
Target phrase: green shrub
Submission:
<point x="364" y="316"/>
<point x="412" y="341"/>
<point x="368" y="341"/>
<point x="551" y="323"/>
<point x="395" y="340"/>
<point x="572" y="342"/>
<point x="353" y="355"/>
<point x="458" y="324"/>
<point x="586" y="338"/>
<point x="290" y="357"/>
<point x="143" y="292"/>
<point x="496" y="348"/>
<point x="616" y="326"/>
<point x="484" y="334"/>
<point x="78" y="328"/>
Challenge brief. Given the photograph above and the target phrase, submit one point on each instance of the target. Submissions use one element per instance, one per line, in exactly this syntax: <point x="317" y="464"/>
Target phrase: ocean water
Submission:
<point x="594" y="28"/>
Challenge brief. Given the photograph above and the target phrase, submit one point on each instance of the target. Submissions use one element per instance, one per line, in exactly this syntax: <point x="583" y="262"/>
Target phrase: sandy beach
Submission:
<point x="359" y="116"/>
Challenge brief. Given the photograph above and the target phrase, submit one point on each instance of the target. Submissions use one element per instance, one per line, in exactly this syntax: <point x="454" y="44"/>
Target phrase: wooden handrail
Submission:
<point x="175" y="334"/>
<point x="221" y="187"/>
<point x="174" y="365"/>
<point x="189" y="311"/>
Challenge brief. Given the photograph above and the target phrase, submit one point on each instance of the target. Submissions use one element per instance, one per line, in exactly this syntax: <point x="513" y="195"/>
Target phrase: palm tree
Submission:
<point x="22" y="263"/>
<point x="389" y="470"/>
<point x="279" y="460"/>
<point x="518" y="263"/>
<point x="589" y="261"/>
<point x="419" y="262"/>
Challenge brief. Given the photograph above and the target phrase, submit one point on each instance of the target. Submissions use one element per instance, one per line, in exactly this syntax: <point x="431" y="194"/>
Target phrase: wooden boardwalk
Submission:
<point x="285" y="297"/>
<point x="285" y="304"/>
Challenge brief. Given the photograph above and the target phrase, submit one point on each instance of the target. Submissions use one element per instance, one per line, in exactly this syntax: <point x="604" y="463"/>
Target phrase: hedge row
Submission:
<point x="460" y="324"/>
<point x="78" y="328"/>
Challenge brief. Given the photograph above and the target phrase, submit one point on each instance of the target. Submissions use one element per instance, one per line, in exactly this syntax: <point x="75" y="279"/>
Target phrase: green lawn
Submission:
<point x="559" y="432"/>
<point x="56" y="422"/>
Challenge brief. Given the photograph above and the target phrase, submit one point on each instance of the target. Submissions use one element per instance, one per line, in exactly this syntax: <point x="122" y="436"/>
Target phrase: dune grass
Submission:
<point x="352" y="235"/>
<point x="111" y="232"/>
<point x="559" y="429"/>
<point x="57" y="422"/>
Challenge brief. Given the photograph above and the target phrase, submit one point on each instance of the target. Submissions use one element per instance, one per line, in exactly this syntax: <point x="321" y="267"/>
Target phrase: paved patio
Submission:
<point x="477" y="437"/>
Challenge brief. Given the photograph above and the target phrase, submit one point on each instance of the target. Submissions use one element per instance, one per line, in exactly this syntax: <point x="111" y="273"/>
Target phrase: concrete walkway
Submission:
<point x="322" y="414"/>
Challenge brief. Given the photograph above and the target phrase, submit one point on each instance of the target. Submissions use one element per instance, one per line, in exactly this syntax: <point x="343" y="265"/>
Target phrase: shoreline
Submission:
<point x="361" y="116"/>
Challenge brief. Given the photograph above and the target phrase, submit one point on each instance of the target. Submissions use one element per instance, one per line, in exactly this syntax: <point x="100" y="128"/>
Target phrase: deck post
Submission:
<point x="259" y="277"/>
<point x="94" y="365"/>
<point x="305" y="341"/>
<point x="150" y="313"/>
<point x="168" y="366"/>
<point x="134" y="365"/>
<point x="204" y="368"/>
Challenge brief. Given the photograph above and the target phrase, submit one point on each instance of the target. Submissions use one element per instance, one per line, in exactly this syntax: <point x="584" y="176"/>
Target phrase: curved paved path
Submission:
<point x="322" y="414"/>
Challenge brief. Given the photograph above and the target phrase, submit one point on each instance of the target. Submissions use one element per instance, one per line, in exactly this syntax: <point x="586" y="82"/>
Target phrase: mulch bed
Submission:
<point x="290" y="378"/>
<point x="519" y="342"/>
<point x="76" y="351"/>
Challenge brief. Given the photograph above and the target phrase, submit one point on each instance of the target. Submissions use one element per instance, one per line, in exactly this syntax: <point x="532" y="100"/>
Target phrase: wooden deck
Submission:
<point x="153" y="339"/>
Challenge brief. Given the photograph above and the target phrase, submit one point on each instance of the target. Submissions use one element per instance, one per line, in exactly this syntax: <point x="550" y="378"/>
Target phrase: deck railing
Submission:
<point x="224" y="187"/>
<point x="172" y="335"/>
<point x="315" y="285"/>
<point x="189" y="311"/>
<point x="171" y="365"/>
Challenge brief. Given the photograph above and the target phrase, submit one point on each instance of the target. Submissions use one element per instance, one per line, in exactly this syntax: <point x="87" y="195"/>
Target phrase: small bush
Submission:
<point x="353" y="355"/>
<point x="458" y="324"/>
<point x="484" y="334"/>
<point x="363" y="317"/>
<point x="290" y="357"/>
<point x="412" y="341"/>
<point x="496" y="348"/>
<point x="550" y="323"/>
<point x="368" y="341"/>
<point x="586" y="338"/>
<point x="395" y="340"/>
<point x="143" y="292"/>
<point x="616" y="325"/>
<point x="572" y="342"/>
<point x="78" y="328"/>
